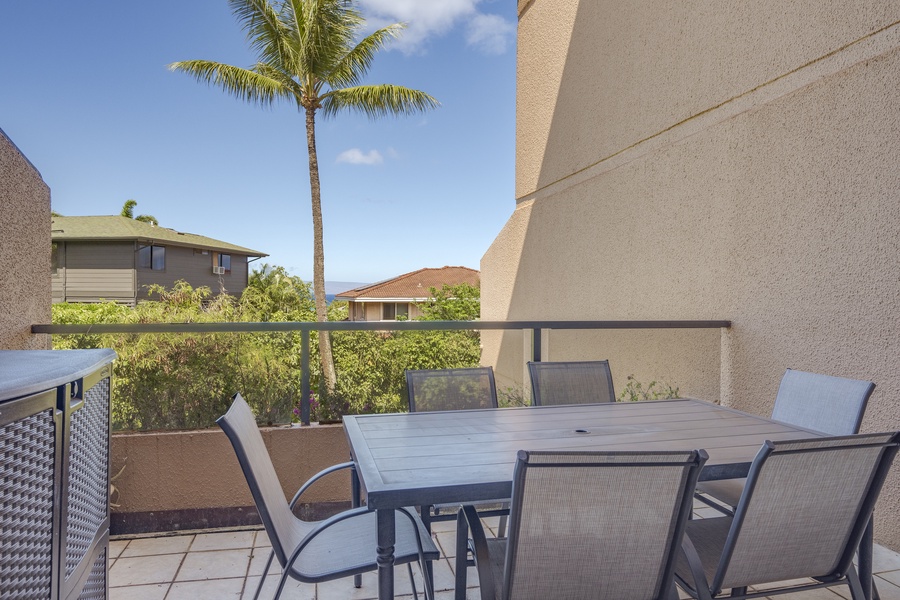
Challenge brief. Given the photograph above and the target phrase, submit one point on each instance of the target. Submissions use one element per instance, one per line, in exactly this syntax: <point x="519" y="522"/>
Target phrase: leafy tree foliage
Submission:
<point x="128" y="211"/>
<point x="452" y="303"/>
<point x="185" y="380"/>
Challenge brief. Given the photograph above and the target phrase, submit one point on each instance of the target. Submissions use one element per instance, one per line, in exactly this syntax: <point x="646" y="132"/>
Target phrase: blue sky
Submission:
<point x="87" y="97"/>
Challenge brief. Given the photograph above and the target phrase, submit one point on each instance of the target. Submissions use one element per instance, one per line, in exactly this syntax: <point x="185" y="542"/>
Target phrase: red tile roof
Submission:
<point x="413" y="285"/>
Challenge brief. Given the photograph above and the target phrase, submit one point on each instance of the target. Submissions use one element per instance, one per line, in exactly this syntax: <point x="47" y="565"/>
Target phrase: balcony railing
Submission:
<point x="532" y="328"/>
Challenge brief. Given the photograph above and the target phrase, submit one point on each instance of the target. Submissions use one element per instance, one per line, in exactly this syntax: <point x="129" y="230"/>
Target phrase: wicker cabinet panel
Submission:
<point x="28" y="478"/>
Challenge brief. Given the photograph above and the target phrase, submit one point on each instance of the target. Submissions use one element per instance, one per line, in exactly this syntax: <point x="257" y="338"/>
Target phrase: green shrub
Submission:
<point x="634" y="391"/>
<point x="186" y="380"/>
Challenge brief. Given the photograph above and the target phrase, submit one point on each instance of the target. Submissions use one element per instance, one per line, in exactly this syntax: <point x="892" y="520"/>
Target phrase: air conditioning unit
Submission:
<point x="218" y="270"/>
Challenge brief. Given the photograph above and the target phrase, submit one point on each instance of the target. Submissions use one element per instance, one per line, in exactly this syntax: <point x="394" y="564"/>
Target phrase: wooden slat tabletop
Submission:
<point x="458" y="456"/>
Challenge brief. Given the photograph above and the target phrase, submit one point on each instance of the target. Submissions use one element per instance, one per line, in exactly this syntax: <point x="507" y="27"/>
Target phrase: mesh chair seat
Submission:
<point x="708" y="537"/>
<point x="349" y="548"/>
<point x="575" y="382"/>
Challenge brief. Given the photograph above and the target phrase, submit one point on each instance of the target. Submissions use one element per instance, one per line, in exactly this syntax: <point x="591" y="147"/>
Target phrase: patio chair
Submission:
<point x="584" y="382"/>
<point x="312" y="552"/>
<point x="451" y="389"/>
<point x="586" y="526"/>
<point x="831" y="405"/>
<point x="454" y="389"/>
<point x="802" y="515"/>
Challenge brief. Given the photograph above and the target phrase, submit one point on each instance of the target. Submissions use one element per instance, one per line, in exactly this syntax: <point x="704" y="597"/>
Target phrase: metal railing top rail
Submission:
<point x="306" y="327"/>
<point x="241" y="327"/>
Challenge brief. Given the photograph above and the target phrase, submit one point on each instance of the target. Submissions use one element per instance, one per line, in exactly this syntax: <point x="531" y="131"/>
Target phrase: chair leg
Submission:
<point x="856" y="588"/>
<point x="262" y="580"/>
<point x="412" y="581"/>
<point x="501" y="529"/>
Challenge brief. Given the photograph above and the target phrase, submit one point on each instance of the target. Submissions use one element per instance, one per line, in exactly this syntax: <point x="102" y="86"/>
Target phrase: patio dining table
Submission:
<point x="416" y="459"/>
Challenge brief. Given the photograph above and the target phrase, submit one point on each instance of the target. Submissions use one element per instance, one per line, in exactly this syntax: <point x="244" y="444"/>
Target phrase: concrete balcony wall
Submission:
<point x="190" y="480"/>
<point x="24" y="250"/>
<point x="693" y="160"/>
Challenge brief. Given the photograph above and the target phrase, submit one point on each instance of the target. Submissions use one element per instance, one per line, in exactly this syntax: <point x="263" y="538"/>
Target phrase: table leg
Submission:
<point x="385" y="553"/>
<point x="866" y="562"/>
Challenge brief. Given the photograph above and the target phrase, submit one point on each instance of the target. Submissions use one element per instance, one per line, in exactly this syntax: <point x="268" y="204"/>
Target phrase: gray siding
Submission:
<point x="196" y="269"/>
<point x="95" y="271"/>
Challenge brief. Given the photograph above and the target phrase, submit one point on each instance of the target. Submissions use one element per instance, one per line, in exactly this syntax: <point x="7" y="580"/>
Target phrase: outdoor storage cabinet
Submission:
<point x="54" y="473"/>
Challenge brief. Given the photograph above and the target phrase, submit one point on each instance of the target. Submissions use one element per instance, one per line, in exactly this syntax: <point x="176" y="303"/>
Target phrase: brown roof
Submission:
<point x="413" y="285"/>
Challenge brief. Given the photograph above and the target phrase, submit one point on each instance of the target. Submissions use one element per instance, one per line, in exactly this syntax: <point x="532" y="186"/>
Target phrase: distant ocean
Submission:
<point x="333" y="288"/>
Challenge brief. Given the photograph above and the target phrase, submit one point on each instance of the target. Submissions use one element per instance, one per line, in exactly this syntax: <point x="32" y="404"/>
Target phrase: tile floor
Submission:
<point x="228" y="565"/>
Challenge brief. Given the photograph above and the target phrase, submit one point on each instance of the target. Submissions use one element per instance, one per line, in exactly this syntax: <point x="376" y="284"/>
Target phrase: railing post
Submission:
<point x="536" y="344"/>
<point x="304" y="377"/>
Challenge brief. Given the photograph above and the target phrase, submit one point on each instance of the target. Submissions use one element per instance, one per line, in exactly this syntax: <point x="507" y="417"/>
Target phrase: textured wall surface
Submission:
<point x="684" y="160"/>
<point x="199" y="470"/>
<point x="24" y="250"/>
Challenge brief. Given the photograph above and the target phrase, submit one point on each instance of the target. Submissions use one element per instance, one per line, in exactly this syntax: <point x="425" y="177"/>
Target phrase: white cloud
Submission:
<point x="490" y="33"/>
<point x="426" y="19"/>
<point x="355" y="156"/>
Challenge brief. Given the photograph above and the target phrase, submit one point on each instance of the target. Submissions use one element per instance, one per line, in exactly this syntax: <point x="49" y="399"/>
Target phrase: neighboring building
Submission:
<point x="399" y="297"/>
<point x="116" y="258"/>
<point x="24" y="250"/>
<point x="685" y="160"/>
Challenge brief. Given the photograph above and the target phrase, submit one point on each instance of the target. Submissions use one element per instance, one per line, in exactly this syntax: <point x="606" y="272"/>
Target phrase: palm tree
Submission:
<point x="128" y="211"/>
<point x="308" y="53"/>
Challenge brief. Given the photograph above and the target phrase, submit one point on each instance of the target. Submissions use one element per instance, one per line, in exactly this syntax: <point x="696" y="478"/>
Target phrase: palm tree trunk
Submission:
<point x="325" y="358"/>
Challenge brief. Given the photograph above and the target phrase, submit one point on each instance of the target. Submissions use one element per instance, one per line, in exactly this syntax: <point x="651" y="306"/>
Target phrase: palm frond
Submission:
<point x="377" y="101"/>
<point x="355" y="64"/>
<point x="322" y="32"/>
<point x="289" y="85"/>
<point x="265" y="31"/>
<point x="242" y="83"/>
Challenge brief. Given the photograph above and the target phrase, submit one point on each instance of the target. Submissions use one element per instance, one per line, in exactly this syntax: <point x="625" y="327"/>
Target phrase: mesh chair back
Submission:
<point x="451" y="389"/>
<point x="804" y="508"/>
<point x="832" y="405"/>
<point x="239" y="425"/>
<point x="587" y="382"/>
<point x="597" y="525"/>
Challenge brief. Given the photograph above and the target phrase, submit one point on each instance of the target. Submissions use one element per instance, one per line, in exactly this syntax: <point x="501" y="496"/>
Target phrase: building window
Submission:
<point x="152" y="257"/>
<point x="54" y="258"/>
<point x="391" y="311"/>
<point x="359" y="311"/>
<point x="388" y="311"/>
<point x="225" y="262"/>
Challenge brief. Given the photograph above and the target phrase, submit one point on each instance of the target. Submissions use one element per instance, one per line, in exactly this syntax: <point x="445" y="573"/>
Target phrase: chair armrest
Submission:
<point x="700" y="589"/>
<point x="469" y="516"/>
<point x="317" y="476"/>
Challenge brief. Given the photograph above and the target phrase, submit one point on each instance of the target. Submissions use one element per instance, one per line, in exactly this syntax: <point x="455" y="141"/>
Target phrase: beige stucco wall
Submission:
<point x="24" y="250"/>
<point x="198" y="469"/>
<point x="684" y="160"/>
